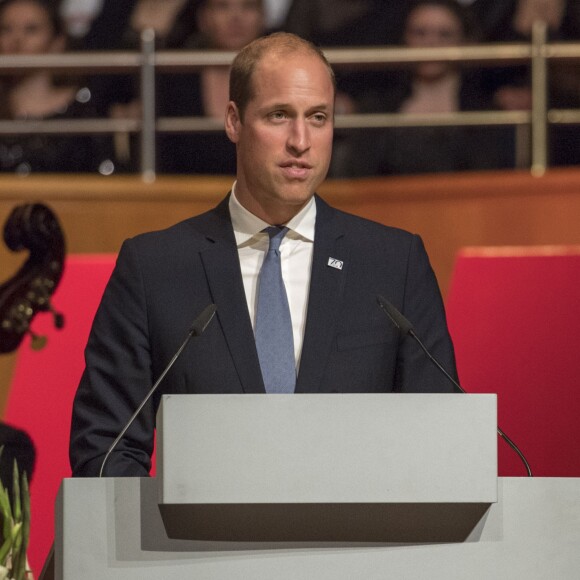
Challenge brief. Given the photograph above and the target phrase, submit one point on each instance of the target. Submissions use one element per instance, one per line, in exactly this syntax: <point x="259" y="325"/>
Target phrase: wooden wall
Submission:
<point x="448" y="211"/>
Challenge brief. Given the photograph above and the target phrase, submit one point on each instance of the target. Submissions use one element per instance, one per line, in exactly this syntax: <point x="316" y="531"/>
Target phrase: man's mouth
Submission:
<point x="295" y="169"/>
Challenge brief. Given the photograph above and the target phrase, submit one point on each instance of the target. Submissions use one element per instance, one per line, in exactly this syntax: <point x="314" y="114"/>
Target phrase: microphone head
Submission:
<point x="200" y="323"/>
<point x="394" y="315"/>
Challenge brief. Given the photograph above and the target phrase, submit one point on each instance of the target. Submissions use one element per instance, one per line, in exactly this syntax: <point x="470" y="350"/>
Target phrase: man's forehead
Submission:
<point x="286" y="55"/>
<point x="286" y="61"/>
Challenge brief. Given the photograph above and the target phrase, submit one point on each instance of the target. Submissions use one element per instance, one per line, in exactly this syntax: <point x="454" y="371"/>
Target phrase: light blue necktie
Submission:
<point x="274" y="339"/>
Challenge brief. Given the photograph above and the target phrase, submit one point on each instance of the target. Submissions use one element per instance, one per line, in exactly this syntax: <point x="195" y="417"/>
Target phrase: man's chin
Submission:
<point x="298" y="191"/>
<point x="298" y="197"/>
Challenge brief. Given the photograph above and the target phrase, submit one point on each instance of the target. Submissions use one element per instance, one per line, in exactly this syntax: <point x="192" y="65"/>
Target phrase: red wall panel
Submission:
<point x="514" y="315"/>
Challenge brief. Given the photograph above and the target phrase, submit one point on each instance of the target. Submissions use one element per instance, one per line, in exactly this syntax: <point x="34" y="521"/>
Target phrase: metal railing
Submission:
<point x="148" y="63"/>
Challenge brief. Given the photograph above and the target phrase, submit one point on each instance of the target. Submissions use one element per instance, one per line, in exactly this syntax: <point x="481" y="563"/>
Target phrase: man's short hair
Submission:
<point x="279" y="43"/>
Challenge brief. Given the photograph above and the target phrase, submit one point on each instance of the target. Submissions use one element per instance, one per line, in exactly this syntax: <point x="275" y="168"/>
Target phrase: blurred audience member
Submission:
<point x="118" y="27"/>
<point x="512" y="21"/>
<point x="430" y="87"/>
<point x="346" y="22"/>
<point x="275" y="13"/>
<point x="30" y="27"/>
<point x="223" y="25"/>
<point x="337" y="23"/>
<point x="508" y="20"/>
<point x="120" y="23"/>
<point x="78" y="16"/>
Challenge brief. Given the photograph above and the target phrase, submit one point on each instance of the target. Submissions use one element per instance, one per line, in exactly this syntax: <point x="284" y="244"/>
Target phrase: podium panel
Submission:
<point x="373" y="467"/>
<point x="112" y="528"/>
<point x="259" y="486"/>
<point x="331" y="449"/>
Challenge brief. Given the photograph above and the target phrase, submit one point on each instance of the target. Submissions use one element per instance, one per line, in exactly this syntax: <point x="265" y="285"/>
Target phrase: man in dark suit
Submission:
<point x="333" y="265"/>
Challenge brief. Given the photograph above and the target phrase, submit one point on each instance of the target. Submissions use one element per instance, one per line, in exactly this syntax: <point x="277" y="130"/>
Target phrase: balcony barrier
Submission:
<point x="148" y="63"/>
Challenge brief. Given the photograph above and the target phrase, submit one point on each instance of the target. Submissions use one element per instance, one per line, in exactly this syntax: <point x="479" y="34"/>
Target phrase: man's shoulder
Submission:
<point x="361" y="226"/>
<point x="213" y="223"/>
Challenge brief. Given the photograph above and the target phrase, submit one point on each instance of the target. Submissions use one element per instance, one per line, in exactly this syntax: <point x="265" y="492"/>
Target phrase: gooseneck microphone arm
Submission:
<point x="197" y="328"/>
<point x="406" y="328"/>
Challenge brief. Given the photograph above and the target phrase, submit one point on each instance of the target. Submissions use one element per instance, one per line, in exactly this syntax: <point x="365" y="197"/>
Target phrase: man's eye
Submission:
<point x="277" y="115"/>
<point x="319" y="118"/>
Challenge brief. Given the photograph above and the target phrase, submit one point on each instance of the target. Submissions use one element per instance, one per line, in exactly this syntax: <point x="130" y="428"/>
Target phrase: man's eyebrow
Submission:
<point x="318" y="107"/>
<point x="278" y="106"/>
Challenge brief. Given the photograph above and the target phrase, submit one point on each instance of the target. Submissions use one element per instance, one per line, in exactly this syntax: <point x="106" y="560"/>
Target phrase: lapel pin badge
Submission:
<point x="334" y="263"/>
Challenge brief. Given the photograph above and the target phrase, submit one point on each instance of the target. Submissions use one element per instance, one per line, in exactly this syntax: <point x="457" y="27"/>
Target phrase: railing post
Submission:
<point x="148" y="105"/>
<point x="539" y="99"/>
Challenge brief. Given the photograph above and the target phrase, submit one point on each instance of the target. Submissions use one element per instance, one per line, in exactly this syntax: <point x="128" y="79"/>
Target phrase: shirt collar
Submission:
<point x="246" y="225"/>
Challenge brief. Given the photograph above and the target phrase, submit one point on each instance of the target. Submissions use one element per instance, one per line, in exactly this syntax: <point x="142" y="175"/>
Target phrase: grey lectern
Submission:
<point x="254" y="486"/>
<point x="321" y="487"/>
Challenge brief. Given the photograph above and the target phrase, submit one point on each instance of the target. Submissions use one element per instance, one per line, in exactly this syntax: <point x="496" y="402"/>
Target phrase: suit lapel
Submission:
<point x="222" y="267"/>
<point x="325" y="296"/>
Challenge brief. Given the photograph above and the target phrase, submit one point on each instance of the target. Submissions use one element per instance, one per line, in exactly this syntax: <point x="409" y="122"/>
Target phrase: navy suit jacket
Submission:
<point x="164" y="279"/>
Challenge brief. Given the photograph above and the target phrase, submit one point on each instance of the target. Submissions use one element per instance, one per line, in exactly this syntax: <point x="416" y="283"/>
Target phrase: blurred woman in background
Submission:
<point x="512" y="21"/>
<point x="29" y="27"/>
<point x="119" y="26"/>
<point x="222" y="25"/>
<point x="431" y="87"/>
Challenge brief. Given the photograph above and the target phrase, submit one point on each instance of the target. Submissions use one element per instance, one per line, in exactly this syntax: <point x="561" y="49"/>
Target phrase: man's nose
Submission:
<point x="299" y="137"/>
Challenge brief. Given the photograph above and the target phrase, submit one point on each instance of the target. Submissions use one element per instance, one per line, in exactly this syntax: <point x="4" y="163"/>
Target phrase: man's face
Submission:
<point x="284" y="141"/>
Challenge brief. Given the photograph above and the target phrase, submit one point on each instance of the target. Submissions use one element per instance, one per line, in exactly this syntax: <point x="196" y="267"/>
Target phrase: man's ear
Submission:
<point x="233" y="122"/>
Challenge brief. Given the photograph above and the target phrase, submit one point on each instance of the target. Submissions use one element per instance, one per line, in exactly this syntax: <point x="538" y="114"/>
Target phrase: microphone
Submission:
<point x="197" y="329"/>
<point x="406" y="328"/>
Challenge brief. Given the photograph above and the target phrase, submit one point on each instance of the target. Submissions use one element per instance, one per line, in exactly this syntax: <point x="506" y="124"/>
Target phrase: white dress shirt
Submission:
<point x="296" y="259"/>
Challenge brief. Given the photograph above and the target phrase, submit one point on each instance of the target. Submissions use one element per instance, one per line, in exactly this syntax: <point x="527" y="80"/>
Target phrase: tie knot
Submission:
<point x="276" y="234"/>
